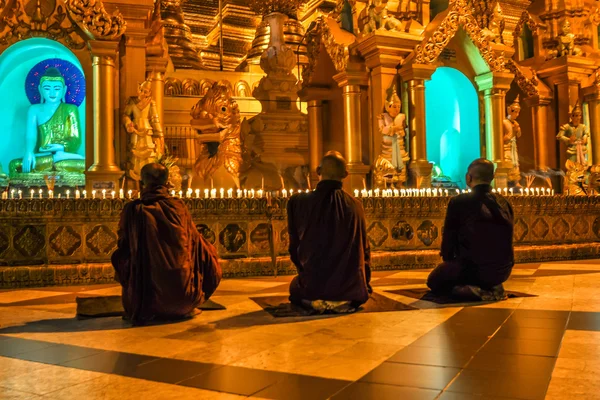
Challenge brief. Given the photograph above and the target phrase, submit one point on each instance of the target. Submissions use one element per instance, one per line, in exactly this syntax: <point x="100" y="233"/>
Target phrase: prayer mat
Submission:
<point x="210" y="305"/>
<point x="280" y="306"/>
<point x="99" y="306"/>
<point x="427" y="295"/>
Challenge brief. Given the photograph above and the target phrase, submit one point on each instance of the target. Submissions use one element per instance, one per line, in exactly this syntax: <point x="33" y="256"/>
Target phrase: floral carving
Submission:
<point x="526" y="18"/>
<point x="459" y="15"/>
<point x="45" y="19"/>
<point x="95" y="21"/>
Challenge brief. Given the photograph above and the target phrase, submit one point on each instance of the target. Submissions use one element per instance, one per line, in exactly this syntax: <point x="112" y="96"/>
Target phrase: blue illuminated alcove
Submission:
<point x="15" y="64"/>
<point x="452" y="120"/>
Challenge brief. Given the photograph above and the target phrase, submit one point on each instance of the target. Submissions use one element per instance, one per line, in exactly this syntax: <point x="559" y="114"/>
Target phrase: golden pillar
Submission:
<point x="494" y="86"/>
<point x="591" y="95"/>
<point x="156" y="68"/>
<point x="104" y="172"/>
<point x="544" y="138"/>
<point x="351" y="83"/>
<point x="315" y="138"/>
<point x="415" y="76"/>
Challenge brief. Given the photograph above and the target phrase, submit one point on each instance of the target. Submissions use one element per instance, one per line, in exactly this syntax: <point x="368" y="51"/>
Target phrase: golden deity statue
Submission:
<point x="512" y="131"/>
<point x="141" y="120"/>
<point x="375" y="16"/>
<point x="52" y="137"/>
<point x="575" y="135"/>
<point x="566" y="43"/>
<point x="390" y="167"/>
<point x="496" y="26"/>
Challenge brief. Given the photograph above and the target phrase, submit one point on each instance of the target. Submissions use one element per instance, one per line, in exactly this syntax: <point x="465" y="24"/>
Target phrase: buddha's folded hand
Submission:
<point x="28" y="163"/>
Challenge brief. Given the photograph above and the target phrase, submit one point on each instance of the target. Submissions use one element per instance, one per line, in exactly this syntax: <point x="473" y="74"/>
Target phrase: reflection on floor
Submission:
<point x="547" y="346"/>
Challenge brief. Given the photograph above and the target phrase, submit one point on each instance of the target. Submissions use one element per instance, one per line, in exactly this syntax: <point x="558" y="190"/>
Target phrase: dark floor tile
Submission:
<point x="375" y="391"/>
<point x="58" y="354"/>
<point x="517" y="332"/>
<point x="447" y="339"/>
<point x="170" y="370"/>
<point x="236" y="380"/>
<point x="14" y="346"/>
<point x="441" y="357"/>
<point x="468" y="327"/>
<point x="482" y="312"/>
<point x="527" y="322"/>
<point x="492" y="383"/>
<point x="513" y="364"/>
<point x="421" y="376"/>
<point x="111" y="362"/>
<point x="301" y="387"/>
<point x="522" y="346"/>
<point x="584" y="321"/>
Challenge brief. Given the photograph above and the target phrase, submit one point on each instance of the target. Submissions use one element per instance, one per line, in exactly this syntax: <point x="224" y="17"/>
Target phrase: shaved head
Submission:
<point x="333" y="167"/>
<point x="481" y="171"/>
<point x="154" y="174"/>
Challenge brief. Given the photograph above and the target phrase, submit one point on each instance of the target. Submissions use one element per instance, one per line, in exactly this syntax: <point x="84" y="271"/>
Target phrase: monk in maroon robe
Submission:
<point x="328" y="244"/>
<point x="164" y="265"/>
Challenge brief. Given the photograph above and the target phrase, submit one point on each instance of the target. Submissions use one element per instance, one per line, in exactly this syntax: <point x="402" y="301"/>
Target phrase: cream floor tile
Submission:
<point x="545" y="303"/>
<point x="112" y="291"/>
<point x="10" y="367"/>
<point x="568" y="266"/>
<point x="9" y="394"/>
<point x="369" y="350"/>
<point x="570" y="364"/>
<point x="581" y="337"/>
<point x="580" y="351"/>
<point x="336" y="367"/>
<point x="562" y="388"/>
<point x="123" y="388"/>
<point x="586" y="305"/>
<point x="22" y="295"/>
<point x="48" y="379"/>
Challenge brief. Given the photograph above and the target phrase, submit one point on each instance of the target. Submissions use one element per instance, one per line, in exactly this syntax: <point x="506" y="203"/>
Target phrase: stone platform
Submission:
<point x="66" y="241"/>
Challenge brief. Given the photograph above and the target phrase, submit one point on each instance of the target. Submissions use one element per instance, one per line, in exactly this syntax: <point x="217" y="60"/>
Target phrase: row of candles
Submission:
<point x="245" y="193"/>
<point x="435" y="192"/>
<point x="104" y="194"/>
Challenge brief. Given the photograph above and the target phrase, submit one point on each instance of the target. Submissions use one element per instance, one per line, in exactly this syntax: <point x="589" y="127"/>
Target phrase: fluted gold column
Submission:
<point x="592" y="98"/>
<point x="544" y="141"/>
<point x="419" y="168"/>
<point x="156" y="67"/>
<point x="104" y="172"/>
<point x="315" y="137"/>
<point x="494" y="86"/>
<point x="351" y="83"/>
<point x="351" y="95"/>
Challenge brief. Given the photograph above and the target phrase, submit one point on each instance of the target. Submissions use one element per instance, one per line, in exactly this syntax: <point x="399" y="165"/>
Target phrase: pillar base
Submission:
<point x="357" y="175"/>
<point x="501" y="179"/>
<point x="420" y="174"/>
<point x="109" y="180"/>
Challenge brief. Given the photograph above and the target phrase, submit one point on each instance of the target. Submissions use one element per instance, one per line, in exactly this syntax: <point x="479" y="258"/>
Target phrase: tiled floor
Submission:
<point x="547" y="346"/>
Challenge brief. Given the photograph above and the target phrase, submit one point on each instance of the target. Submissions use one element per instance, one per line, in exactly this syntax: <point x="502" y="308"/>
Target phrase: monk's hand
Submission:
<point x="28" y="163"/>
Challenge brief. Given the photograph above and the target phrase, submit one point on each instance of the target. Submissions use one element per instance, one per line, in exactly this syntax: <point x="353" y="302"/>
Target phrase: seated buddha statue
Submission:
<point x="53" y="133"/>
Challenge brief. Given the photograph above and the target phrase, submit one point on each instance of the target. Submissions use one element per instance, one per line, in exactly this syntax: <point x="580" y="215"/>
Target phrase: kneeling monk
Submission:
<point x="164" y="265"/>
<point x="328" y="243"/>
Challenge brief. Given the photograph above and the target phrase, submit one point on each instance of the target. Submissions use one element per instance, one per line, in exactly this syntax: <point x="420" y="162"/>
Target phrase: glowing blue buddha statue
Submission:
<point x="53" y="133"/>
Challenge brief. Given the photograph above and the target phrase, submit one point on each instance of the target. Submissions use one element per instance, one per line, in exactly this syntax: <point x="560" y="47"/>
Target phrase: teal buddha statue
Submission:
<point x="53" y="135"/>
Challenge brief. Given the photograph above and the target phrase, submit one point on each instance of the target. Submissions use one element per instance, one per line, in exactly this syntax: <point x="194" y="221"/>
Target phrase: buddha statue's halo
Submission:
<point x="70" y="73"/>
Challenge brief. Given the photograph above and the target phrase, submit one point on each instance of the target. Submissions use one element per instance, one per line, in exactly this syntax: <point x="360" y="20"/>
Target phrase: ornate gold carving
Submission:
<point x="529" y="86"/>
<point x="266" y="7"/>
<point x="217" y="119"/>
<point x="41" y="18"/>
<point x="491" y="21"/>
<point x="101" y="240"/>
<point x="93" y="19"/>
<point x="64" y="241"/>
<point x="526" y="18"/>
<point x="375" y="16"/>
<point x="156" y="44"/>
<point x="459" y="14"/>
<point x="322" y="36"/>
<point x="565" y="43"/>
